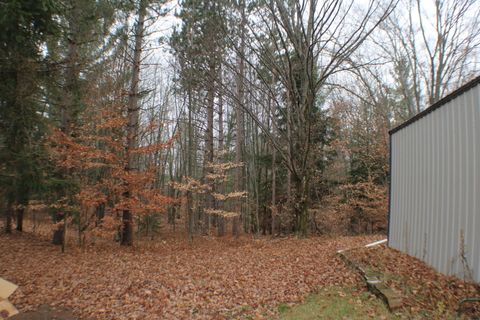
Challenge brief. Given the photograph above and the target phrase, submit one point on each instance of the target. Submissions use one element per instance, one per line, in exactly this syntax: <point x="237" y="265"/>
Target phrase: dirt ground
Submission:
<point x="44" y="312"/>
<point x="213" y="278"/>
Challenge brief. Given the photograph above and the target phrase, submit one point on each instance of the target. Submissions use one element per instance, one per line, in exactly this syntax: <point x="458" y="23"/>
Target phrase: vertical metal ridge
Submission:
<point x="434" y="195"/>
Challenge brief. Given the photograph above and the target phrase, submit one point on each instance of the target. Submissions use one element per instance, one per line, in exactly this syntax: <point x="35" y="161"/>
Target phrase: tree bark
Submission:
<point x="209" y="144"/>
<point x="221" y="133"/>
<point x="69" y="102"/>
<point x="132" y="115"/>
<point x="127" y="230"/>
<point x="8" y="222"/>
<point x="289" y="144"/>
<point x="20" y="212"/>
<point x="239" y="148"/>
<point x="274" y="162"/>
<point x="240" y="115"/>
<point x="191" y="161"/>
<point x="300" y="205"/>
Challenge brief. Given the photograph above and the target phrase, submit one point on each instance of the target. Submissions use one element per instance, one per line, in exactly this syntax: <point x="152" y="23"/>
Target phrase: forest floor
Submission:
<point x="426" y="294"/>
<point x="212" y="278"/>
<point x="223" y="278"/>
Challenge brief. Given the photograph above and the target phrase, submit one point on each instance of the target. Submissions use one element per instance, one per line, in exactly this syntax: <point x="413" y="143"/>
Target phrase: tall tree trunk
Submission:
<point x="240" y="115"/>
<point x="191" y="159"/>
<point x="221" y="133"/>
<point x="171" y="191"/>
<point x="23" y="87"/>
<point x="271" y="109"/>
<point x="209" y="143"/>
<point x="68" y="105"/>
<point x="132" y="115"/>
<point x="8" y="222"/>
<point x="210" y="113"/>
<point x="300" y="204"/>
<point x="289" y="145"/>
<point x="20" y="211"/>
<point x="189" y="195"/>
<point x="274" y="188"/>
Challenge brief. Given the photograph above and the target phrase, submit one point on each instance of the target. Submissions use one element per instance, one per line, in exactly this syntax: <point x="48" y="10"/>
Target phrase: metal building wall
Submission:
<point x="435" y="186"/>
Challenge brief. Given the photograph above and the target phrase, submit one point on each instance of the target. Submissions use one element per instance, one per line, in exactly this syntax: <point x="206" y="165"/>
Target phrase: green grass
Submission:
<point x="337" y="303"/>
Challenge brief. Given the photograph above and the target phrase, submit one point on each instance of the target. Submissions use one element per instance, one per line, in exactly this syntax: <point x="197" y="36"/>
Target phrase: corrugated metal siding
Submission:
<point x="435" y="187"/>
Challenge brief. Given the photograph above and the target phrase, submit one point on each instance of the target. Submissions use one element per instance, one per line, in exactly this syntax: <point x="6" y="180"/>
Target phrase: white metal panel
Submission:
<point x="435" y="187"/>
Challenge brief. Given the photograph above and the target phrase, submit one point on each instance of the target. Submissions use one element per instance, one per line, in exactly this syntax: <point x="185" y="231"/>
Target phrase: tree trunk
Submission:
<point x="8" y="222"/>
<point x="220" y="226"/>
<point x="132" y="115"/>
<point x="68" y="105"/>
<point x="20" y="212"/>
<point x="210" y="113"/>
<point x="171" y="193"/>
<point x="274" y="187"/>
<point x="210" y="202"/>
<point x="300" y="205"/>
<point x="64" y="232"/>
<point x="190" y="162"/>
<point x="127" y="230"/>
<point x="274" y="190"/>
<point x="289" y="145"/>
<point x="221" y="133"/>
<point x="58" y="234"/>
<point x="240" y="115"/>
<point x="239" y="112"/>
<point x="271" y="110"/>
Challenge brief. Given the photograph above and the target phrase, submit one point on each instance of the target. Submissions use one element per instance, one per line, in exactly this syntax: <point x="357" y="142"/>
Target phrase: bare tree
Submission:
<point x="432" y="50"/>
<point x="456" y="36"/>
<point x="309" y="41"/>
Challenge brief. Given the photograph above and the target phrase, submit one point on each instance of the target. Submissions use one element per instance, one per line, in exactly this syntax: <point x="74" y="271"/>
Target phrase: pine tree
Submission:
<point x="25" y="25"/>
<point x="199" y="46"/>
<point x="76" y="58"/>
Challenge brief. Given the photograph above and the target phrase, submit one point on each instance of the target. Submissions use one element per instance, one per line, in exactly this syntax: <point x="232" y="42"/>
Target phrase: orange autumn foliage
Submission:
<point x="94" y="157"/>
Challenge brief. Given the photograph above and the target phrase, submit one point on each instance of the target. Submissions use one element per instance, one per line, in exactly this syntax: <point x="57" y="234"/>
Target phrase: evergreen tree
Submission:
<point x="199" y="47"/>
<point x="24" y="25"/>
<point x="78" y="57"/>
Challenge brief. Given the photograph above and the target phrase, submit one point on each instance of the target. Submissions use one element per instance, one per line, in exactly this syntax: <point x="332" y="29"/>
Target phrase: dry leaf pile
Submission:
<point x="427" y="292"/>
<point x="213" y="278"/>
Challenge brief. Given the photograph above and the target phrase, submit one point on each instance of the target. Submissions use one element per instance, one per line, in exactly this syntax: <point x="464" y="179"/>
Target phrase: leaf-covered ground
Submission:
<point x="213" y="278"/>
<point x="427" y="294"/>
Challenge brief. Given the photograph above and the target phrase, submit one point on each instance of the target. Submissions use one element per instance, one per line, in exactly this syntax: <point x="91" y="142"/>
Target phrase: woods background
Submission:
<point x="118" y="117"/>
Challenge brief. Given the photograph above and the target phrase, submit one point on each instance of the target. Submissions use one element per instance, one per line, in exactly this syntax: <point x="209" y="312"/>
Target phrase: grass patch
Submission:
<point x="338" y="303"/>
